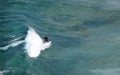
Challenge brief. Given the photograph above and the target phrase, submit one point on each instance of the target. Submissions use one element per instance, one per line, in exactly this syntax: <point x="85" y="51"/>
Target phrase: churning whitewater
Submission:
<point x="35" y="44"/>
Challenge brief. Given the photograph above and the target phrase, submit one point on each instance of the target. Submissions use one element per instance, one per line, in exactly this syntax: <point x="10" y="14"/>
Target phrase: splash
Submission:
<point x="34" y="44"/>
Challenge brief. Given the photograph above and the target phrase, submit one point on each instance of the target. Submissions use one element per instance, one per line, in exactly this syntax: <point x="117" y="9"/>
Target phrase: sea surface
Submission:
<point x="85" y="36"/>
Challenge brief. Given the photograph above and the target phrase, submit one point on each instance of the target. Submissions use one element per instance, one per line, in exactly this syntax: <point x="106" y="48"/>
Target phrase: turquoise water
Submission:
<point x="85" y="37"/>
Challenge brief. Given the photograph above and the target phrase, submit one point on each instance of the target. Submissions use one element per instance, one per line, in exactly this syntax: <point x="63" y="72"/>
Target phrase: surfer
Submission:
<point x="46" y="39"/>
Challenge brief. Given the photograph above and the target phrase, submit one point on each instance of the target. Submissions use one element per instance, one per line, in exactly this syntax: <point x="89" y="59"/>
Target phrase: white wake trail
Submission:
<point x="34" y="44"/>
<point x="14" y="44"/>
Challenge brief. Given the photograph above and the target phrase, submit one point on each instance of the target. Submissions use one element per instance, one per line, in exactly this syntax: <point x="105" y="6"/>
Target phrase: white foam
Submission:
<point x="14" y="44"/>
<point x="34" y="44"/>
<point x="16" y="39"/>
<point x="4" y="71"/>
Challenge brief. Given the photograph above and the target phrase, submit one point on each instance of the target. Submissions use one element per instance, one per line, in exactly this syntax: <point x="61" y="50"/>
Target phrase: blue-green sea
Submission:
<point x="85" y="36"/>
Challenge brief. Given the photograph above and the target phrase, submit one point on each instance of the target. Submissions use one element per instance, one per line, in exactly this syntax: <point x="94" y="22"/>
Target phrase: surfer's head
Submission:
<point x="46" y="39"/>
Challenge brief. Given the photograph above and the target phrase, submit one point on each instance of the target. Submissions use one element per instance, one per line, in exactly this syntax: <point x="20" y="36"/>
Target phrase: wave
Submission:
<point x="34" y="43"/>
<point x="115" y="71"/>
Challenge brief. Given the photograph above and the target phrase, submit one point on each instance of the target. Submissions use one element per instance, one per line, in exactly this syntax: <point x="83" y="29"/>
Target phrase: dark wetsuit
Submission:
<point x="46" y="39"/>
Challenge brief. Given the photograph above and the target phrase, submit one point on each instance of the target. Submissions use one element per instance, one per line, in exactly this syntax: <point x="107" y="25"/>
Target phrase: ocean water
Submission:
<point x="85" y="36"/>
